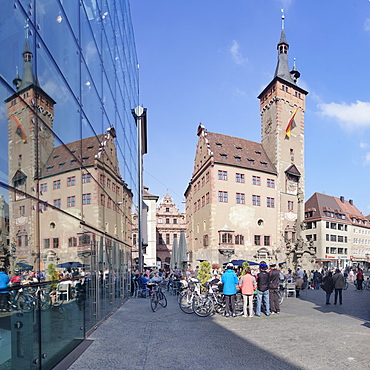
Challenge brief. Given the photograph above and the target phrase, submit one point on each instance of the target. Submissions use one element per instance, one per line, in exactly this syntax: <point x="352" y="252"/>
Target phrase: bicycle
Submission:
<point x="21" y="300"/>
<point x="157" y="296"/>
<point x="187" y="296"/>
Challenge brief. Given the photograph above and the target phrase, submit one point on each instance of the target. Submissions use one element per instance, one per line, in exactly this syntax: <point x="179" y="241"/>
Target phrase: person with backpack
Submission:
<point x="274" y="279"/>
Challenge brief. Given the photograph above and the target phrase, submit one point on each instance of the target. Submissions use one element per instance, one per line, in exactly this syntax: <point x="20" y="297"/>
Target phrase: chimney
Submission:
<point x="342" y="199"/>
<point x="351" y="202"/>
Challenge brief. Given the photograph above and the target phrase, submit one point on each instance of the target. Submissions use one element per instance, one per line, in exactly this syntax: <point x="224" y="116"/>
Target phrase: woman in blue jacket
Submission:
<point x="4" y="293"/>
<point x="229" y="279"/>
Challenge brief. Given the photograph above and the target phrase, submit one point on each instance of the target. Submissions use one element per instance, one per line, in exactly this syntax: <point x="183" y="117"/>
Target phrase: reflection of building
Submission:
<point x="5" y="248"/>
<point x="81" y="179"/>
<point x="339" y="231"/>
<point x="242" y="197"/>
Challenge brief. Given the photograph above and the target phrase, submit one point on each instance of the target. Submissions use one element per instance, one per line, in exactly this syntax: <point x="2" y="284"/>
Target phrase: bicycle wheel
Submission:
<point x="45" y="302"/>
<point x="345" y="285"/>
<point x="186" y="303"/>
<point x="162" y="300"/>
<point x="281" y="296"/>
<point x="203" y="306"/>
<point x="180" y="295"/>
<point x="59" y="300"/>
<point x="239" y="304"/>
<point x="25" y="303"/>
<point x="154" y="302"/>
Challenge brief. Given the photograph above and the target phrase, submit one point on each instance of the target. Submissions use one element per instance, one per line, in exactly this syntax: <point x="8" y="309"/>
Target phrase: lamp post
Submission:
<point x="139" y="114"/>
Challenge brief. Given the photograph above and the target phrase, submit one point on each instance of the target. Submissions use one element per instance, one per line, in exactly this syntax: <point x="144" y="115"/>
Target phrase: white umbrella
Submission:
<point x="174" y="260"/>
<point x="182" y="258"/>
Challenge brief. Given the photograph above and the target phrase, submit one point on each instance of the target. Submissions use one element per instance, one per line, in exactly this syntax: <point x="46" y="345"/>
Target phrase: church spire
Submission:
<point x="28" y="77"/>
<point x="282" y="68"/>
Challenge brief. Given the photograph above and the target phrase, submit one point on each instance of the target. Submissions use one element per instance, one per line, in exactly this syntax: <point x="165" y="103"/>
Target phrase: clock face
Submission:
<point x="292" y="187"/>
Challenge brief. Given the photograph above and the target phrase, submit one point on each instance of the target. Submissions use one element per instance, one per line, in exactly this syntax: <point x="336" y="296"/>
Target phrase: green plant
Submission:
<point x="52" y="274"/>
<point x="244" y="267"/>
<point x="204" y="273"/>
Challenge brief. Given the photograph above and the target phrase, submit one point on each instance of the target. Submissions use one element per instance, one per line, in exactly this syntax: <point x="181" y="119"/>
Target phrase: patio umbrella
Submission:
<point x="24" y="266"/>
<point x="182" y="258"/>
<point x="237" y="262"/>
<point x="174" y="260"/>
<point x="67" y="265"/>
<point x="251" y="263"/>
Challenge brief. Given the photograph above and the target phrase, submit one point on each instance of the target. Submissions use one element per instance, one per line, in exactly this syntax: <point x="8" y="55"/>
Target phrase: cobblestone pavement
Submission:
<point x="307" y="334"/>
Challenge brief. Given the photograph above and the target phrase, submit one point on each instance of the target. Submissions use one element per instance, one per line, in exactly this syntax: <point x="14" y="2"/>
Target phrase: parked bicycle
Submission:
<point x="21" y="300"/>
<point x="156" y="296"/>
<point x="187" y="296"/>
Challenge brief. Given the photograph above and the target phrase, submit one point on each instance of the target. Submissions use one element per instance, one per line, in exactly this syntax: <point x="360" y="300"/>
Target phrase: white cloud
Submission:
<point x="367" y="25"/>
<point x="285" y="3"/>
<point x="236" y="54"/>
<point x="363" y="145"/>
<point x="367" y="159"/>
<point x="350" y="116"/>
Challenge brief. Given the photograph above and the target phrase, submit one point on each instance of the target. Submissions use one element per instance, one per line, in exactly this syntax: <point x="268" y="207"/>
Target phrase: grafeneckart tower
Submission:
<point x="30" y="114"/>
<point x="282" y="106"/>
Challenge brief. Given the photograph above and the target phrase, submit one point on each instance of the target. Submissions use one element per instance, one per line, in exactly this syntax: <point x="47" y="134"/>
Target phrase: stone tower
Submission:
<point x="30" y="114"/>
<point x="282" y="107"/>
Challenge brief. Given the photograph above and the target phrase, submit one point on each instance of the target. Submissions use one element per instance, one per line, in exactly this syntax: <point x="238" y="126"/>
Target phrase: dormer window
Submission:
<point x="239" y="148"/>
<point x="219" y="145"/>
<point x="223" y="156"/>
<point x="62" y="164"/>
<point x="238" y="159"/>
<point x="257" y="152"/>
<point x="56" y="156"/>
<point x="264" y="164"/>
<point x="90" y="147"/>
<point x="251" y="161"/>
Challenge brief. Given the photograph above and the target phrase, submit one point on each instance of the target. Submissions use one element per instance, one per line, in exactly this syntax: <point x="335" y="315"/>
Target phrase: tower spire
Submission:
<point x="282" y="68"/>
<point x="28" y="77"/>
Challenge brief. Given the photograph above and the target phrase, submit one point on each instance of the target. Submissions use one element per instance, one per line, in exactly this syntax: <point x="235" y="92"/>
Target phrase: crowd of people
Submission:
<point x="262" y="282"/>
<point x="28" y="277"/>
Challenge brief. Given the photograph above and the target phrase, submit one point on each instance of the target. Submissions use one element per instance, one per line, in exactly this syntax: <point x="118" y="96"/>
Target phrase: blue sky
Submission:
<point x="208" y="60"/>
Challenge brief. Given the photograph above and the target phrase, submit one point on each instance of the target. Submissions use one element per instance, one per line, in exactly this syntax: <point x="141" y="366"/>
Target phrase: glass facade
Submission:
<point x="68" y="171"/>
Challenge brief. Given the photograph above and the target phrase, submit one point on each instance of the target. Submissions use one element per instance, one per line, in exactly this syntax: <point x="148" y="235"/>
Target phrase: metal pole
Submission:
<point x="139" y="112"/>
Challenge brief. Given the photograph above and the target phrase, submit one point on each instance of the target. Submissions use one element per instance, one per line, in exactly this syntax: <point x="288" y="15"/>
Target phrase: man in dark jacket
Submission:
<point x="263" y="280"/>
<point x="274" y="275"/>
<point x="338" y="280"/>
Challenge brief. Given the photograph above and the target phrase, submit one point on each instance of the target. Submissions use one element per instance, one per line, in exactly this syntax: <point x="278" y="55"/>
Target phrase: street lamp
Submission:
<point x="139" y="114"/>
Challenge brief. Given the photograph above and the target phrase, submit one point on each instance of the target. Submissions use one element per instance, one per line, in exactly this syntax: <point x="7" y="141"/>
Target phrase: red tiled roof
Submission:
<point x="239" y="152"/>
<point x="322" y="202"/>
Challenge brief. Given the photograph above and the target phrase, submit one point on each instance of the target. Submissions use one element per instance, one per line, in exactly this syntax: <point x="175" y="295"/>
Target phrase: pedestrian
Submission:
<point x="338" y="280"/>
<point x="4" y="293"/>
<point x="248" y="285"/>
<point x="288" y="276"/>
<point x="298" y="285"/>
<point x="229" y="279"/>
<point x="359" y="278"/>
<point x="274" y="280"/>
<point x="328" y="286"/>
<point x="317" y="278"/>
<point x="263" y="279"/>
<point x="351" y="275"/>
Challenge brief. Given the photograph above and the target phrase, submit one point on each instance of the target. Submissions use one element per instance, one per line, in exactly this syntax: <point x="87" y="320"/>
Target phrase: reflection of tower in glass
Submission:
<point x="30" y="119"/>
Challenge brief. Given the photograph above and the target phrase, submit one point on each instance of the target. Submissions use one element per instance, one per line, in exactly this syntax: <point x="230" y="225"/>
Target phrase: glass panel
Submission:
<point x="54" y="148"/>
<point x="59" y="42"/>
